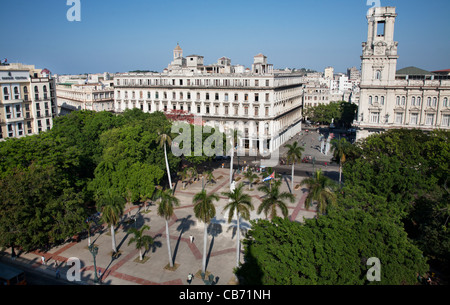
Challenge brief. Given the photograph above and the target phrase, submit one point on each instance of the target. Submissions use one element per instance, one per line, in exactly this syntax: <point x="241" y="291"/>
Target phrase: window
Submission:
<point x="198" y="109"/>
<point x="378" y="75"/>
<point x="434" y="101"/>
<point x="419" y="100"/>
<point x="382" y="100"/>
<point x="414" y="118"/>
<point x="226" y="110"/>
<point x="217" y="96"/>
<point x="370" y="100"/>
<point x="413" y="101"/>
<point x="246" y="97"/>
<point x="207" y="109"/>
<point x="256" y="111"/>
<point x="226" y="97"/>
<point x="25" y="89"/>
<point x="445" y="102"/>
<point x="8" y="112"/>
<point x="380" y="28"/>
<point x="375" y="117"/>
<point x="403" y="101"/>
<point x="398" y="101"/>
<point x="236" y="97"/>
<point x="267" y="97"/>
<point x="207" y="96"/>
<point x="246" y="110"/>
<point x="256" y="97"/>
<point x="267" y="83"/>
<point x="429" y="102"/>
<point x="399" y="117"/>
<point x="256" y="83"/>
<point x="267" y="111"/>
<point x="445" y="120"/>
<point x="430" y="119"/>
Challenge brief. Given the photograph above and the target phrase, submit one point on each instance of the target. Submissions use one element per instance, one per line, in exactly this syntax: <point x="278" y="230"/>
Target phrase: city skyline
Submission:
<point x="123" y="36"/>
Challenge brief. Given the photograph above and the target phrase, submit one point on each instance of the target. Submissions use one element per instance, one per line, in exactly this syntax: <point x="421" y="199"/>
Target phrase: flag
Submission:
<point x="270" y="177"/>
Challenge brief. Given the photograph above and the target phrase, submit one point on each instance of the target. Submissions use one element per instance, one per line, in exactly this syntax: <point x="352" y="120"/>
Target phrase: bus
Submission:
<point x="11" y="275"/>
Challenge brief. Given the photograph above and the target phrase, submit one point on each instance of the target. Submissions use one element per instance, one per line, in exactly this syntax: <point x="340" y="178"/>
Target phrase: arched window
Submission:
<point x="419" y="100"/>
<point x="413" y="101"/>
<point x="36" y="89"/>
<point x="45" y="88"/>
<point x="403" y="101"/>
<point x="382" y="100"/>
<point x="5" y="91"/>
<point x="378" y="75"/>
<point x="370" y="100"/>
<point x="376" y="99"/>
<point x="25" y="89"/>
<point x="16" y="90"/>
<point x="445" y="102"/>
<point x="434" y="101"/>
<point x="429" y="102"/>
<point x="398" y="101"/>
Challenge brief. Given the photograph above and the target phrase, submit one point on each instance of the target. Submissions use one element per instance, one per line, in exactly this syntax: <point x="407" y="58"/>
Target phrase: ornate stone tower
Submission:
<point x="379" y="59"/>
<point x="177" y="52"/>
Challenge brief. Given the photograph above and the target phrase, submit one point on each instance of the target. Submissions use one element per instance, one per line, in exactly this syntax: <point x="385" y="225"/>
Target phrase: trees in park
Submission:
<point x="164" y="140"/>
<point x="293" y="156"/>
<point x="140" y="239"/>
<point x="329" y="250"/>
<point x="204" y="210"/>
<point x="241" y="205"/>
<point x="274" y="198"/>
<point x="167" y="202"/>
<point x="343" y="113"/>
<point x="251" y="177"/>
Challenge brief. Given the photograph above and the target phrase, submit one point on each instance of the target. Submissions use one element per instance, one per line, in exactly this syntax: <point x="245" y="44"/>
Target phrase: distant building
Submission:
<point x="329" y="73"/>
<point x="27" y="100"/>
<point x="408" y="98"/>
<point x="264" y="105"/>
<point x="353" y="74"/>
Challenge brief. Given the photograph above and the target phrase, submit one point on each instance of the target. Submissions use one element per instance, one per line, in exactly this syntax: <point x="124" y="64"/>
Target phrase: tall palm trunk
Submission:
<point x="140" y="254"/>
<point x="205" y="241"/>
<point x="167" y="166"/>
<point x="113" y="238"/>
<point x="231" y="162"/>
<point x="168" y="244"/>
<point x="238" y="240"/>
<point x="292" y="181"/>
<point x="340" y="173"/>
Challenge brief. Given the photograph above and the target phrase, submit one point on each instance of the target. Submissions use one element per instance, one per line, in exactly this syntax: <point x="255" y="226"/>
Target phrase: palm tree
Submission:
<point x="293" y="155"/>
<point x="234" y="134"/>
<point x="184" y="175"/>
<point x="321" y="190"/>
<point x="240" y="203"/>
<point x="274" y="198"/>
<point x="165" y="210"/>
<point x="164" y="139"/>
<point x="141" y="240"/>
<point x="340" y="149"/>
<point x="111" y="206"/>
<point x="250" y="176"/>
<point x="204" y="210"/>
<point x="209" y="177"/>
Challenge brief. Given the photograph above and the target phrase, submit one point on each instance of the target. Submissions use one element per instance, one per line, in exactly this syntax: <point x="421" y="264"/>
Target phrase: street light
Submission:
<point x="94" y="251"/>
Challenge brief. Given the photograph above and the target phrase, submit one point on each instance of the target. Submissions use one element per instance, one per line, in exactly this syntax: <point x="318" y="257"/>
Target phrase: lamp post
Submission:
<point x="94" y="251"/>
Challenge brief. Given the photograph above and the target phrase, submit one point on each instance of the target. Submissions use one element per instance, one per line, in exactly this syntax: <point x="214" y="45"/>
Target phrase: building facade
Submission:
<point x="27" y="100"/>
<point x="390" y="100"/>
<point x="264" y="106"/>
<point x="94" y="96"/>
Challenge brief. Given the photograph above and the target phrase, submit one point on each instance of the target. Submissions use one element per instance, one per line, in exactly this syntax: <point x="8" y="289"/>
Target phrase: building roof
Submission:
<point x="178" y="48"/>
<point x="260" y="55"/>
<point x="442" y="71"/>
<point x="413" y="71"/>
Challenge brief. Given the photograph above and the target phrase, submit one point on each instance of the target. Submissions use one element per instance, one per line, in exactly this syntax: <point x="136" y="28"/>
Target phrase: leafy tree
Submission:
<point x="329" y="250"/>
<point x="140" y="239"/>
<point x="204" y="210"/>
<point x="36" y="210"/>
<point x="165" y="209"/>
<point x="293" y="155"/>
<point x="273" y="199"/>
<point x="241" y="204"/>
<point x="321" y="189"/>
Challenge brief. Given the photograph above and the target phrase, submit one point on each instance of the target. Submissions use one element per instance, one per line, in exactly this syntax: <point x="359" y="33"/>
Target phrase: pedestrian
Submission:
<point x="100" y="274"/>
<point x="43" y="260"/>
<point x="191" y="238"/>
<point x="189" y="278"/>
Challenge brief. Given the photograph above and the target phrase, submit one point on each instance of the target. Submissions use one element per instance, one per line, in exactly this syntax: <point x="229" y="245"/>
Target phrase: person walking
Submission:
<point x="191" y="238"/>
<point x="189" y="278"/>
<point x="43" y="260"/>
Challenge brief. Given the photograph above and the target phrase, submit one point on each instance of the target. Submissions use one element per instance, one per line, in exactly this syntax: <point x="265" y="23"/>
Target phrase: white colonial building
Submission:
<point x="263" y="105"/>
<point x="391" y="99"/>
<point x="27" y="100"/>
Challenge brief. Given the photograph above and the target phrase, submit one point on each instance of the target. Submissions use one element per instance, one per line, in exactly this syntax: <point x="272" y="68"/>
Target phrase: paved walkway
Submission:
<point x="127" y="270"/>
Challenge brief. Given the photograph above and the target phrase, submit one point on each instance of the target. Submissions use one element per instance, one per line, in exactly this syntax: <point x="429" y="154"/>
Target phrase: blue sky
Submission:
<point x="119" y="35"/>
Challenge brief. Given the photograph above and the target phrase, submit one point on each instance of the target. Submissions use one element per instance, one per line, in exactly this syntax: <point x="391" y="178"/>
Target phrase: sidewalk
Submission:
<point x="128" y="270"/>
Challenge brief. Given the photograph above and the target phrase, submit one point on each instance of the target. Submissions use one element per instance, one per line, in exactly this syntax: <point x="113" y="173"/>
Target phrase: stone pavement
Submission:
<point x="127" y="270"/>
